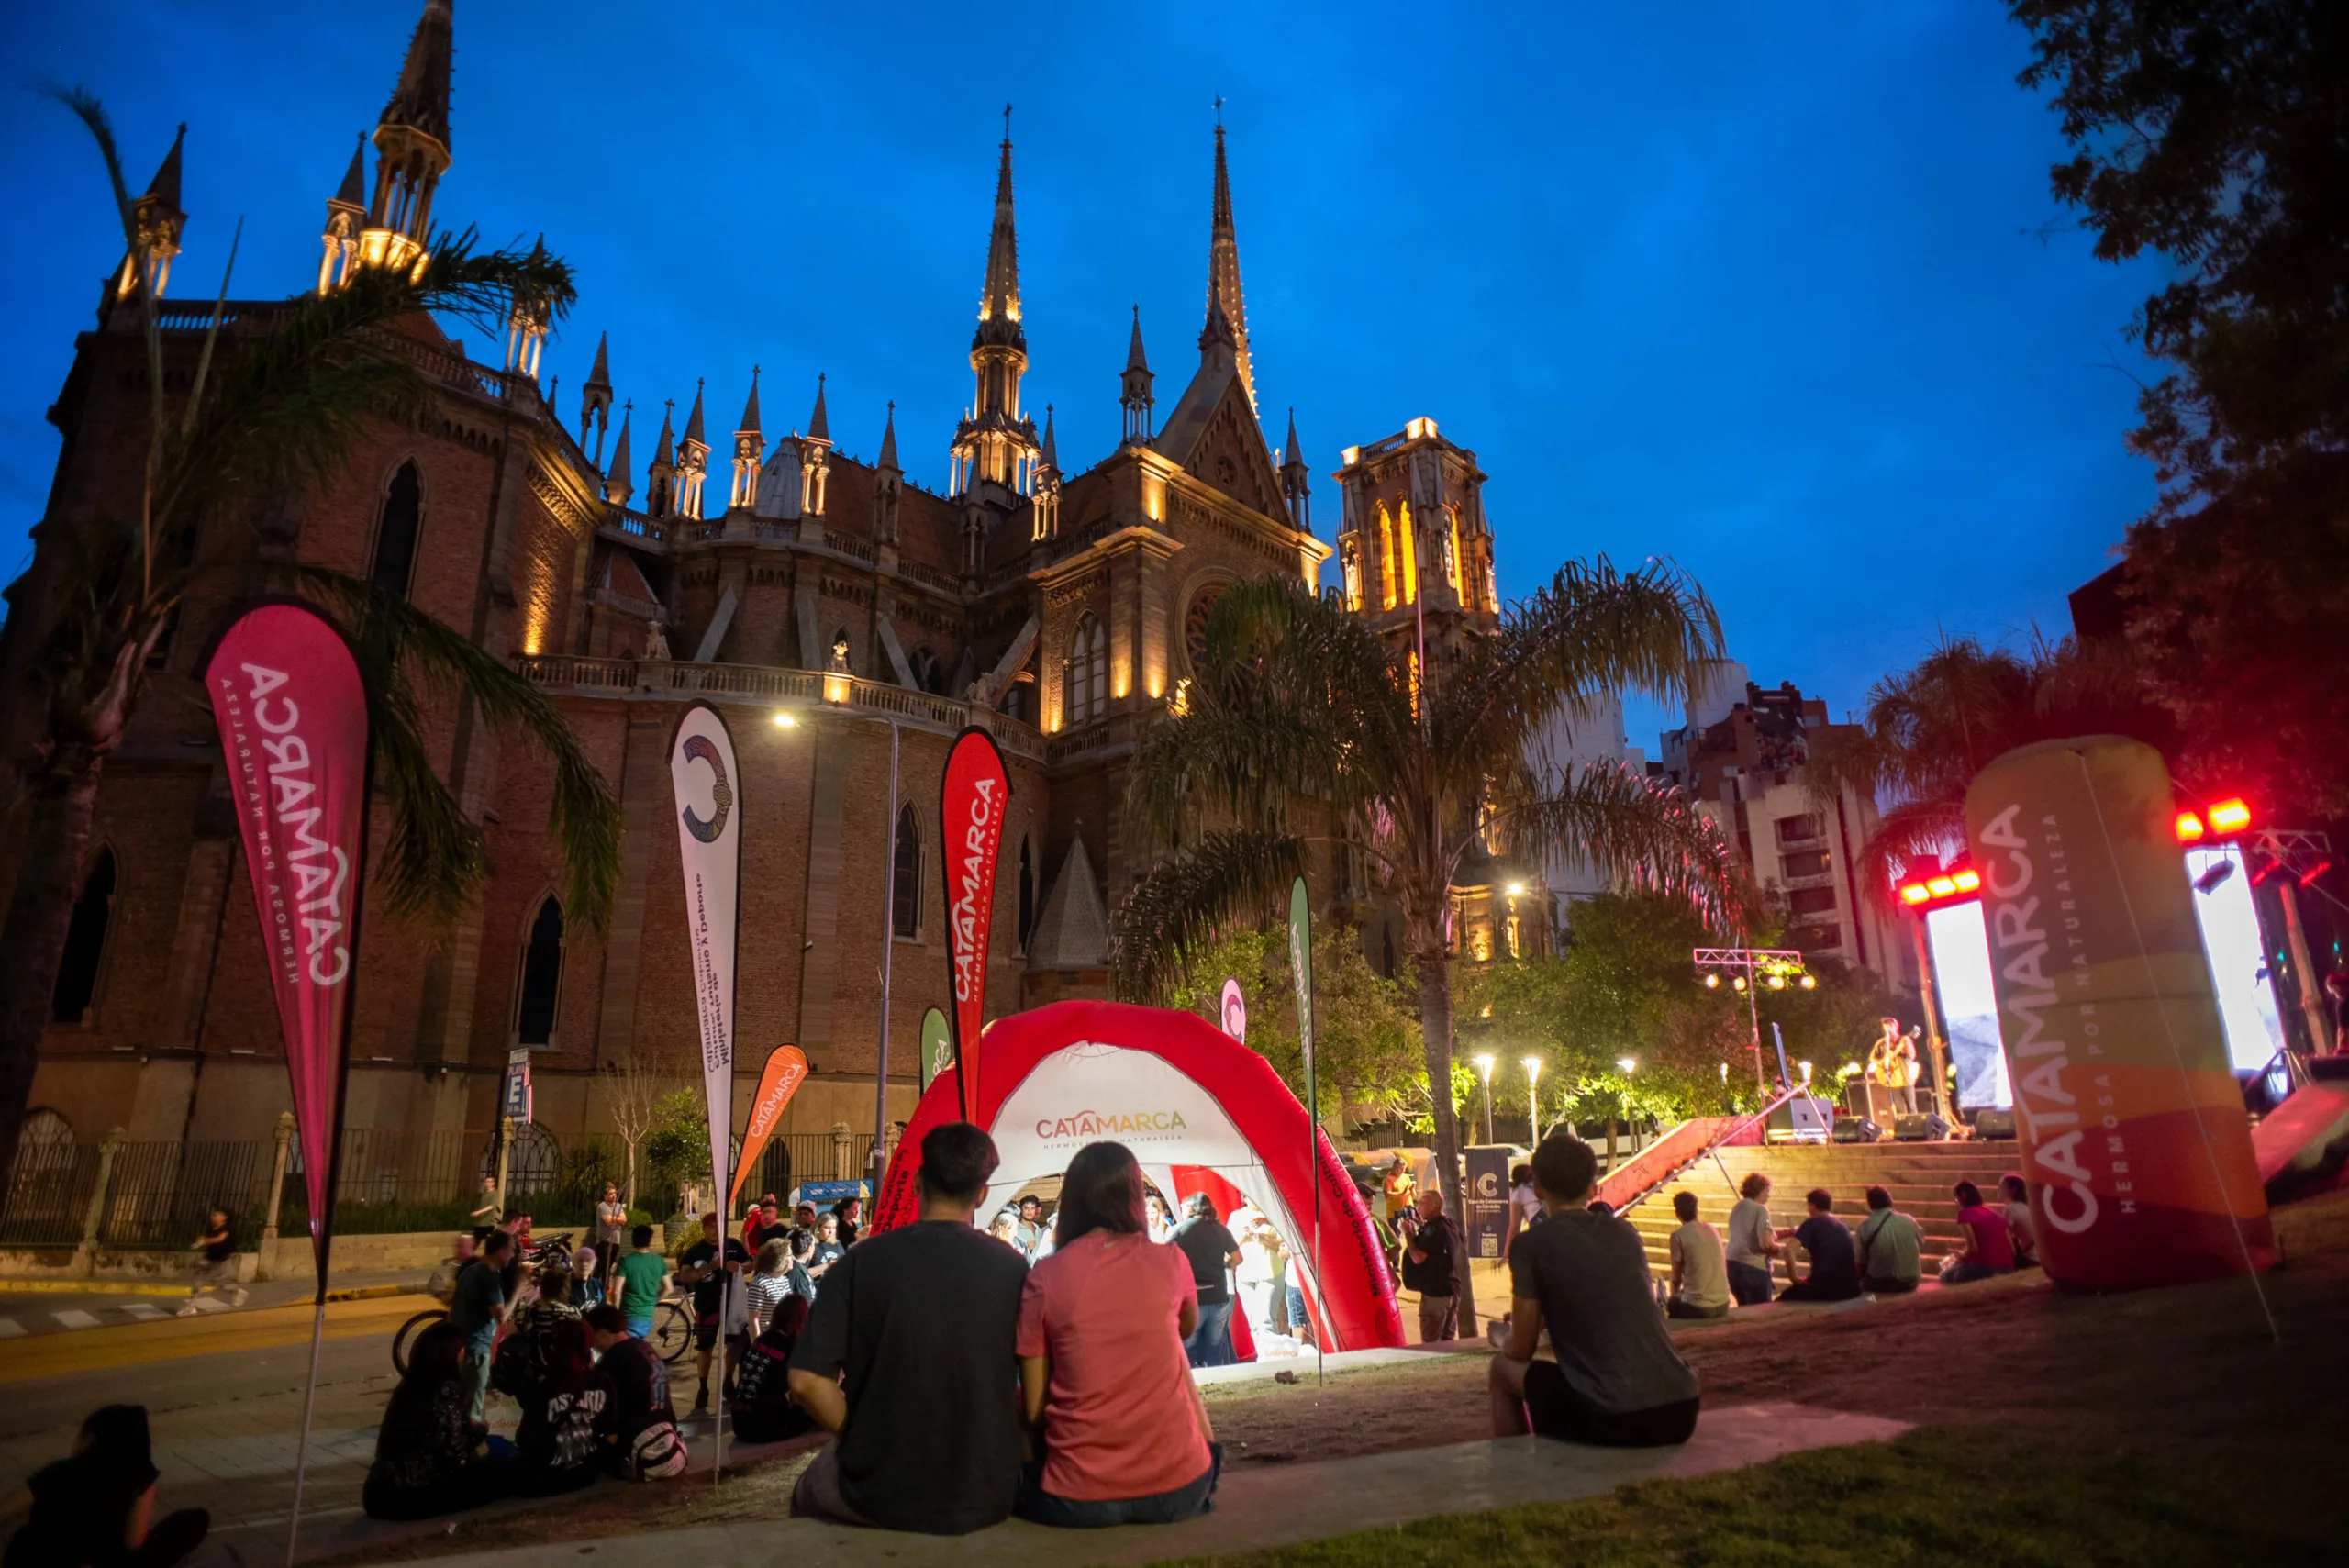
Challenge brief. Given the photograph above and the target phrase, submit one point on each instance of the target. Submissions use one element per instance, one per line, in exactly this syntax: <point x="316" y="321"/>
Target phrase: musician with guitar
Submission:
<point x="1892" y="1061"/>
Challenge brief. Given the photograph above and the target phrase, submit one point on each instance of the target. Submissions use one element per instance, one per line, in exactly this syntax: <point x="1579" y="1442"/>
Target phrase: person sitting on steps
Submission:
<point x="1827" y="1241"/>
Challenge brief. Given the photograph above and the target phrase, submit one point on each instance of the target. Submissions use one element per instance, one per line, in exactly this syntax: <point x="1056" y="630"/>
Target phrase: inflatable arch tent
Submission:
<point x="1201" y="1112"/>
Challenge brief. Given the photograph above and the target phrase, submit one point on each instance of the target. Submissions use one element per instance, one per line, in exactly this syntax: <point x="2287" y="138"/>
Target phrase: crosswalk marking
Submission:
<point x="210" y="1304"/>
<point x="76" y="1319"/>
<point x="10" y="1328"/>
<point x="140" y="1310"/>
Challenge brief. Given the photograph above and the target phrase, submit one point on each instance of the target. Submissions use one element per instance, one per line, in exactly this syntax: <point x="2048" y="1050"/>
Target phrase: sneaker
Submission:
<point x="237" y="1296"/>
<point x="186" y="1310"/>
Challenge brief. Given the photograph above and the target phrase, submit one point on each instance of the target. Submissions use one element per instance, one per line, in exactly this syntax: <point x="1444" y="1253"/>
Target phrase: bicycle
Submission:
<point x="671" y="1336"/>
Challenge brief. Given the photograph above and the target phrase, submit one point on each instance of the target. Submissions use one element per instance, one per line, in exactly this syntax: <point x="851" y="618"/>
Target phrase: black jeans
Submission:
<point x="1557" y="1411"/>
<point x="1184" y="1502"/>
<point x="1675" y="1307"/>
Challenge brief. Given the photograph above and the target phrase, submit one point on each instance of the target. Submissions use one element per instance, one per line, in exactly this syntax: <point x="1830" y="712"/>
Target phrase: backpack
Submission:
<point x="656" y="1453"/>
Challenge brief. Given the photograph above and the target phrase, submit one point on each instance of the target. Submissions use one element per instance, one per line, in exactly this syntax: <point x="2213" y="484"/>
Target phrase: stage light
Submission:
<point x="1915" y="893"/>
<point x="1966" y="881"/>
<point x="1712" y="982"/>
<point x="1517" y="890"/>
<point x="1805" y="1068"/>
<point x="1808" y="983"/>
<point x="2324" y="865"/>
<point x="2189" y="828"/>
<point x="2264" y="868"/>
<point x="1778" y="983"/>
<point x="1739" y="982"/>
<point x="2218" y="872"/>
<point x="2231" y="817"/>
<point x="1940" y="887"/>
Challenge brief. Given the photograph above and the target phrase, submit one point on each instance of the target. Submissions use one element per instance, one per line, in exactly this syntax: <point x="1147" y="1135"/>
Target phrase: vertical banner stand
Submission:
<point x="1300" y="963"/>
<point x="973" y="799"/>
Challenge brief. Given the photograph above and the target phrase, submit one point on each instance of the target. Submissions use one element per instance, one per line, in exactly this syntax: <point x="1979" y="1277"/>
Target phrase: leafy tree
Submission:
<point x="2216" y="133"/>
<point x="267" y="420"/>
<point x="1366" y="1055"/>
<point x="1301" y="729"/>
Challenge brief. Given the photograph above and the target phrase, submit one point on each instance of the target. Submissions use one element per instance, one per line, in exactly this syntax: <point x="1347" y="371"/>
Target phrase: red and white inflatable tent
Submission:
<point x="1201" y="1112"/>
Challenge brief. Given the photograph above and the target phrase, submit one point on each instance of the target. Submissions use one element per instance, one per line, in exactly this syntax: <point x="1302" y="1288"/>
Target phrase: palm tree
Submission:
<point x="1930" y="729"/>
<point x="1301" y="728"/>
<point x="257" y="428"/>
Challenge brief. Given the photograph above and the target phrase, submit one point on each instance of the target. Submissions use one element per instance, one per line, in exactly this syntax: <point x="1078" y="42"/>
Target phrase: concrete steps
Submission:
<point x="1918" y="1175"/>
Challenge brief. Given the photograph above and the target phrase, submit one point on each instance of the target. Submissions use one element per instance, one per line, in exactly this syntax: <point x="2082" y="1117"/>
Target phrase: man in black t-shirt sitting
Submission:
<point x="699" y="1268"/>
<point x="1617" y="1381"/>
<point x="1834" y="1263"/>
<point x="907" y="1357"/>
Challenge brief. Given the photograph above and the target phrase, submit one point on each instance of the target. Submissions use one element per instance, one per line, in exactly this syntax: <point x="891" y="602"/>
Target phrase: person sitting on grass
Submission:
<point x="1103" y="1378"/>
<point x="907" y="1357"/>
<point x="1752" y="1242"/>
<point x="96" y="1504"/>
<point x="1699" y="1270"/>
<point x="1891" y="1248"/>
<point x="1827" y="1241"/>
<point x="1985" y="1249"/>
<point x="557" y="1438"/>
<point x="763" y="1410"/>
<point x="2022" y="1235"/>
<point x="638" y="1433"/>
<point x="429" y="1458"/>
<point x="1617" y="1381"/>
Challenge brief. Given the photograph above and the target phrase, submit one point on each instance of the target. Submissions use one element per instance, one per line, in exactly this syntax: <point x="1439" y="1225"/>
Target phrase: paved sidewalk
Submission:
<point x="1261" y="1508"/>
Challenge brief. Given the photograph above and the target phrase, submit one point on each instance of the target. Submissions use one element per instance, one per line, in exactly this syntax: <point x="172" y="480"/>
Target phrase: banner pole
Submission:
<point x="877" y="1161"/>
<point x="309" y="1403"/>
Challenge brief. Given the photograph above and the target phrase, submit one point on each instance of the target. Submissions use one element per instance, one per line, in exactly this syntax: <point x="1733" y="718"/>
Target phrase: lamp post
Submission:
<point x="1746" y="967"/>
<point x="1534" y="1097"/>
<point x="1485" y="1068"/>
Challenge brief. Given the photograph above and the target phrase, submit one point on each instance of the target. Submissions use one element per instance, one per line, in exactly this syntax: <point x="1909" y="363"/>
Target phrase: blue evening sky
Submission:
<point x="1776" y="290"/>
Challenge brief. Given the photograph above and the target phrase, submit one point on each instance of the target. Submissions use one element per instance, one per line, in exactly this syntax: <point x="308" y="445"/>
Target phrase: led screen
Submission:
<point x="1961" y="949"/>
<point x="2238" y="958"/>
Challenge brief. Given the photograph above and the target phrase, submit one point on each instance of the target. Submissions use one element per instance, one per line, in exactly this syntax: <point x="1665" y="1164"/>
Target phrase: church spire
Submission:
<point x="159" y="222"/>
<point x="816" y="457"/>
<point x="996" y="444"/>
<point x="888" y="482"/>
<point x="346" y="215"/>
<point x="412" y="139"/>
<point x="750" y="448"/>
<point x="1296" y="477"/>
<point x="889" y="438"/>
<point x="693" y="460"/>
<point x="999" y="300"/>
<point x="1133" y="388"/>
<point x="596" y="397"/>
<point x="617" y="487"/>
<point x="1044" y="499"/>
<point x="661" y="479"/>
<point x="818" y="427"/>
<point x="1223" y="266"/>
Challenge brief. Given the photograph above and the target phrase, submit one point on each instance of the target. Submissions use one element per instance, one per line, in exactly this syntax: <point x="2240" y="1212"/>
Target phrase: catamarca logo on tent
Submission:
<point x="1108" y="1124"/>
<point x="697" y="748"/>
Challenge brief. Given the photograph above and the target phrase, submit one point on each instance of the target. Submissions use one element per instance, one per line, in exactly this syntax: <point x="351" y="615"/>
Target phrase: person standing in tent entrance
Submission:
<point x="1214" y="1253"/>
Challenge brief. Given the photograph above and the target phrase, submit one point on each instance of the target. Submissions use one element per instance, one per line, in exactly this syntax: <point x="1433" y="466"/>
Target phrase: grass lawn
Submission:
<point x="1948" y="1496"/>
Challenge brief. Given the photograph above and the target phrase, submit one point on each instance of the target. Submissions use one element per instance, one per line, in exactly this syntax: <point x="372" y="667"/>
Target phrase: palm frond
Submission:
<point x="1636" y="834"/>
<point x="434" y="862"/>
<point x="1592" y="630"/>
<point x="1174" y="911"/>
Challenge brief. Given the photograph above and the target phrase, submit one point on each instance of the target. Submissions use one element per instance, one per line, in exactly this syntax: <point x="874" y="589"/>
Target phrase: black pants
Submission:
<point x="486" y="1481"/>
<point x="1557" y="1411"/>
<point x="1812" y="1290"/>
<point x="1889" y="1286"/>
<point x="1675" y="1307"/>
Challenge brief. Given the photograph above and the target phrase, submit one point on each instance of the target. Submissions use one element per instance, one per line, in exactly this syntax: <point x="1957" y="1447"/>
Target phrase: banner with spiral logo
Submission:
<point x="709" y="845"/>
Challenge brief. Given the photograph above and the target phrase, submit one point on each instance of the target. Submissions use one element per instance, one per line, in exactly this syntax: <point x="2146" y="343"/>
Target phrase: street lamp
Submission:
<point x="1534" y="1097"/>
<point x="1629" y="1064"/>
<point x="1485" y="1066"/>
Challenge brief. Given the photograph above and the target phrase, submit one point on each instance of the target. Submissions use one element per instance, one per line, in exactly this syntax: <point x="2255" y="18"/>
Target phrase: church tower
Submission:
<point x="995" y="447"/>
<point x="660" y="480"/>
<point x="749" y="450"/>
<point x="1413" y="541"/>
<point x="159" y="222"/>
<point x="346" y="215"/>
<point x="1133" y="389"/>
<point x="816" y="456"/>
<point x="693" y="461"/>
<point x="1223" y="268"/>
<point x="411" y="148"/>
<point x="596" y="397"/>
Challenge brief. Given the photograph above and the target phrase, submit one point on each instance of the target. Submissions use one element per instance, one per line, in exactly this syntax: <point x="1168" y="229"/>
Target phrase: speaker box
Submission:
<point x="1848" y="1130"/>
<point x="1994" y="1124"/>
<point x="1910" y="1130"/>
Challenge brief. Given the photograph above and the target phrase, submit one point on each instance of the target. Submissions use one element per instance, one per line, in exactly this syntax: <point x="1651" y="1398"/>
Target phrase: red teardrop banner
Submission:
<point x="972" y="801"/>
<point x="292" y="715"/>
<point x="786" y="1069"/>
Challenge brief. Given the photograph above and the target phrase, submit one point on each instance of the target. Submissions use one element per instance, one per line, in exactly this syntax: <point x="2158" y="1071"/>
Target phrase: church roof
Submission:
<point x="1072" y="932"/>
<point x="164" y="187"/>
<point x="353" y="190"/>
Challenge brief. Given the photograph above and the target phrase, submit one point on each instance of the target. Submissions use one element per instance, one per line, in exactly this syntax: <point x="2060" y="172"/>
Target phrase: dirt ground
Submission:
<point x="2189" y="1378"/>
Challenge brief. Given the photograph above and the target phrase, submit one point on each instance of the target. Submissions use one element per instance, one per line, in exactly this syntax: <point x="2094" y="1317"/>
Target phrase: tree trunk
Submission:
<point x="1610" y="1145"/>
<point x="1435" y="1031"/>
<point x="32" y="943"/>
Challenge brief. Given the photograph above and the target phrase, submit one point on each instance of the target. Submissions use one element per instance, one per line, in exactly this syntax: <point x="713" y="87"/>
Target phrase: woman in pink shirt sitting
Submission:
<point x="1103" y="1376"/>
<point x="1987" y="1250"/>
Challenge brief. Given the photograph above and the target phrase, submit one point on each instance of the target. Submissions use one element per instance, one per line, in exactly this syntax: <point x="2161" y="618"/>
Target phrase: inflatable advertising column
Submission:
<point x="2133" y="1134"/>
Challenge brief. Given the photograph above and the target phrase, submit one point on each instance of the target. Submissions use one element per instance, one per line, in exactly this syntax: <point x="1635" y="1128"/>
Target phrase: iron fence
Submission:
<point x="48" y="1199"/>
<point x="161" y="1194"/>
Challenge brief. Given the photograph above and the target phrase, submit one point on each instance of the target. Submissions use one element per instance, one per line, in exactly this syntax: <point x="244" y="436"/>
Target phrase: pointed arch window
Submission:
<point x="905" y="877"/>
<point x="395" y="532"/>
<point x="1089" y="672"/>
<point x="85" y="943"/>
<point x="1027" y="892"/>
<point x="539" y="997"/>
<point x="1411" y="555"/>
